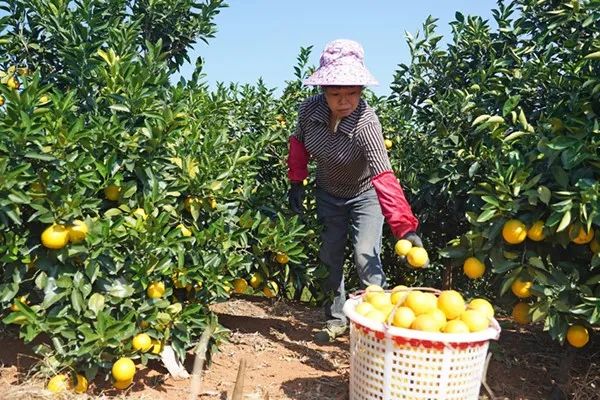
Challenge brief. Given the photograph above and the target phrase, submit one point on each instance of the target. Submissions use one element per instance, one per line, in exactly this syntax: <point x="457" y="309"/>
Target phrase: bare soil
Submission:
<point x="275" y="339"/>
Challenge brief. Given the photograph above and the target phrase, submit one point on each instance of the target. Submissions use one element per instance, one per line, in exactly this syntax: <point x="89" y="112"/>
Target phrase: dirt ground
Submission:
<point x="283" y="363"/>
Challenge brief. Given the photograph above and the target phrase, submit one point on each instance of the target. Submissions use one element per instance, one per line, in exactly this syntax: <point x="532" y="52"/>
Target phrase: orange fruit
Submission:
<point x="256" y="280"/>
<point x="123" y="369"/>
<point x="156" y="290"/>
<point x="373" y="288"/>
<point x="282" y="258"/>
<point x="417" y="257"/>
<point x="191" y="201"/>
<point x="121" y="385"/>
<point x="520" y="313"/>
<point x="420" y="303"/>
<point x="271" y="289"/>
<point x="439" y="316"/>
<point x="455" y="326"/>
<point x="473" y="268"/>
<point x="483" y="306"/>
<point x="78" y="231"/>
<point x="55" y="237"/>
<point x="13" y="83"/>
<point x="536" y="231"/>
<point x="426" y="323"/>
<point x="521" y="289"/>
<point x="363" y="308"/>
<point x="112" y="192"/>
<point x="388" y="144"/>
<point x="451" y="303"/>
<point x="379" y="300"/>
<point x="184" y="230"/>
<point x="142" y="342"/>
<point x="16" y="305"/>
<point x="402" y="247"/>
<point x="514" y="231"/>
<point x="239" y="285"/>
<point x="156" y="346"/>
<point x="376" y="315"/>
<point x="59" y="383"/>
<point x="578" y="336"/>
<point x="403" y="317"/>
<point x="212" y="202"/>
<point x="399" y="294"/>
<point x="582" y="237"/>
<point x="82" y="384"/>
<point x="1" y="101"/>
<point x="476" y="320"/>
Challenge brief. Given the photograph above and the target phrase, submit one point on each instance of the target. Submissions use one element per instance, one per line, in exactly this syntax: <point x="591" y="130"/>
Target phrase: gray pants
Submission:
<point x="361" y="217"/>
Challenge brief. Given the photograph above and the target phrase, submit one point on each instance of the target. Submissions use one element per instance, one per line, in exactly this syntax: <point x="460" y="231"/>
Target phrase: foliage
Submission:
<point x="95" y="108"/>
<point x="504" y="124"/>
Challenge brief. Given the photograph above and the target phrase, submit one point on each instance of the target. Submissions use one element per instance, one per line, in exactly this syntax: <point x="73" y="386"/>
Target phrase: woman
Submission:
<point x="355" y="185"/>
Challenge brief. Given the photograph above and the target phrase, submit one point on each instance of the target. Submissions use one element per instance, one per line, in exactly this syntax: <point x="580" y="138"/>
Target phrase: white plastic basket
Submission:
<point x="390" y="363"/>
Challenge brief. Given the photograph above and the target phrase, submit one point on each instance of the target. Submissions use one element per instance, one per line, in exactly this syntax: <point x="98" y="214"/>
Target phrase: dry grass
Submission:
<point x="587" y="386"/>
<point x="34" y="390"/>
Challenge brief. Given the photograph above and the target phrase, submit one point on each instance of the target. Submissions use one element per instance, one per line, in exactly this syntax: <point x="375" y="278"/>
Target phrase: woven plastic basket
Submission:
<point x="390" y="363"/>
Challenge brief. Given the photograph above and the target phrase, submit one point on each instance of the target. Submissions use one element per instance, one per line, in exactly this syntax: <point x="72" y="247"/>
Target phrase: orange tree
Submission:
<point x="128" y="204"/>
<point x="504" y="125"/>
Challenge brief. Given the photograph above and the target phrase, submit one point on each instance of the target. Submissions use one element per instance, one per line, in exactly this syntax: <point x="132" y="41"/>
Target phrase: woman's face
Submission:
<point x="342" y="100"/>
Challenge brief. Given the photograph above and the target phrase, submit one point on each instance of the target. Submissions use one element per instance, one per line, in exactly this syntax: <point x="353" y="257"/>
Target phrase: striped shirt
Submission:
<point x="348" y="159"/>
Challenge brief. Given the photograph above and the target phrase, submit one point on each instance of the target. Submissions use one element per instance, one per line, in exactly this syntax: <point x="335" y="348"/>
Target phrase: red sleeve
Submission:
<point x="297" y="160"/>
<point x="395" y="208"/>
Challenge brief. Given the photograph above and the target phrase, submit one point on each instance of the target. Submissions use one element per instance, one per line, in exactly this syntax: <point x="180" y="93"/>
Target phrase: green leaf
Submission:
<point x="486" y="215"/>
<point x="480" y="119"/>
<point x="491" y="200"/>
<point x="96" y="303"/>
<point x="514" y="135"/>
<point x="560" y="176"/>
<point x="564" y="222"/>
<point x="593" y="56"/>
<point x="120" y="107"/>
<point x="473" y="169"/>
<point x="510" y="104"/>
<point x="76" y="300"/>
<point x="544" y="194"/>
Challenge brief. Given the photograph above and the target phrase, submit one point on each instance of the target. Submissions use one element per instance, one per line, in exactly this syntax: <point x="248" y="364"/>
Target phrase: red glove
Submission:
<point x="297" y="161"/>
<point x="395" y="208"/>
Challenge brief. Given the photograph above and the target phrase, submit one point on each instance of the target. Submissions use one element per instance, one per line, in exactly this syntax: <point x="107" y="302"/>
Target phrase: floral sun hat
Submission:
<point x="342" y="64"/>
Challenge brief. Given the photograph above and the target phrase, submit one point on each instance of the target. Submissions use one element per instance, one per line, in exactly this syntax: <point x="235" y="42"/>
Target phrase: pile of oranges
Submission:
<point x="447" y="312"/>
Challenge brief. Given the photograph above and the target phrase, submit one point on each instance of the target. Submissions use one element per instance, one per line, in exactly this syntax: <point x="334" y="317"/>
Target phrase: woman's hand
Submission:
<point x="296" y="197"/>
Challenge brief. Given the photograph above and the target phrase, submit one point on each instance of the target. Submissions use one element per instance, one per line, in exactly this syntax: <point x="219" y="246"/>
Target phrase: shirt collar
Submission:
<point x="347" y="124"/>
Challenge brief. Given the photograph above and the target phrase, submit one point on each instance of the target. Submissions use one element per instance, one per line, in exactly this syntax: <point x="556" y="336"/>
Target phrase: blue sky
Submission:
<point x="262" y="38"/>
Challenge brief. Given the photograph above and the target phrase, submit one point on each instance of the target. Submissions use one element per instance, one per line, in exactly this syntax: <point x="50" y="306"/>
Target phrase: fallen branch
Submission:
<point x="199" y="360"/>
<point x="238" y="389"/>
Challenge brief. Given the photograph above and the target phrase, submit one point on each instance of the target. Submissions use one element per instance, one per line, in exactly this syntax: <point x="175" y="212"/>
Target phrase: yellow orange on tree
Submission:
<point x="578" y="336"/>
<point x="112" y="192"/>
<point x="514" y="231"/>
<point x="78" y="231"/>
<point x="583" y="236"/>
<point x="520" y="313"/>
<point x="536" y="231"/>
<point x="55" y="237"/>
<point x="123" y="369"/>
<point x="473" y="268"/>
<point x="521" y="288"/>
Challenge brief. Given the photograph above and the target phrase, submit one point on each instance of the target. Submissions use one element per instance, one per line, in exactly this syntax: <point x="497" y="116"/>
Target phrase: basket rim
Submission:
<point x="493" y="332"/>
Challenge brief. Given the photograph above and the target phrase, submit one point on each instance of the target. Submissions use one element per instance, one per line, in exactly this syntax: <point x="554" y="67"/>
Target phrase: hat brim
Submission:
<point x="341" y="75"/>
